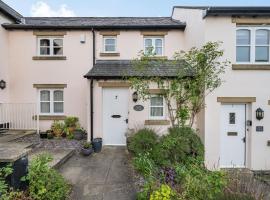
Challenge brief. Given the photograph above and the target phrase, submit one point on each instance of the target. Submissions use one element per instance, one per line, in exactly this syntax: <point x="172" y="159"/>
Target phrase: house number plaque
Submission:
<point x="138" y="107"/>
<point x="259" y="128"/>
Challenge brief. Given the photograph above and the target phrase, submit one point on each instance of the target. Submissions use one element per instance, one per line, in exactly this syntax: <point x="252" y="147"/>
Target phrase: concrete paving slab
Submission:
<point x="14" y="135"/>
<point x="103" y="176"/>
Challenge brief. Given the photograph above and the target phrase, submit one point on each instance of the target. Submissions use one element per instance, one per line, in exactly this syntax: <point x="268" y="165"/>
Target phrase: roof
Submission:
<point x="117" y="69"/>
<point x="252" y="11"/>
<point x="8" y="11"/>
<point x="98" y="23"/>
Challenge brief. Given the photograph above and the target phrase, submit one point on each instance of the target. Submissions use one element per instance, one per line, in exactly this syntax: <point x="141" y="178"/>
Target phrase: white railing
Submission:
<point x="18" y="116"/>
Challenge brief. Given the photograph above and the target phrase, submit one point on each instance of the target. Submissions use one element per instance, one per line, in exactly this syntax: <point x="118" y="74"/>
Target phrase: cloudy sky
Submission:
<point x="103" y="8"/>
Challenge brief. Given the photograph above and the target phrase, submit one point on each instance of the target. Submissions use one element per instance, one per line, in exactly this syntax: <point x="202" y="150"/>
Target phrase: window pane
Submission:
<point x="44" y="42"/>
<point x="110" y="41"/>
<point x="262" y="54"/>
<point x="109" y="48"/>
<point x="44" y="51"/>
<point x="148" y="43"/>
<point x="58" y="95"/>
<point x="57" y="51"/>
<point x="58" y="107"/>
<point x="156" y="101"/>
<point x="243" y="37"/>
<point x="158" y="42"/>
<point x="158" y="51"/>
<point x="262" y="37"/>
<point x="156" y="112"/>
<point x="45" y="95"/>
<point x="231" y="118"/>
<point x="45" y="107"/>
<point x="58" y="42"/>
<point x="243" y="54"/>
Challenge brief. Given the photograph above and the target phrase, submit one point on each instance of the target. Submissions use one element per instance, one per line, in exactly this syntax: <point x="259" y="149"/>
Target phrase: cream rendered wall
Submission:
<point x="130" y="43"/>
<point x="4" y="62"/>
<point x="24" y="72"/>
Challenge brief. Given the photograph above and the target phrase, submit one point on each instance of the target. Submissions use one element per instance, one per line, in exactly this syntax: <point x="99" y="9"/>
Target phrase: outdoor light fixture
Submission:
<point x="2" y="84"/>
<point x="135" y="97"/>
<point x="259" y="114"/>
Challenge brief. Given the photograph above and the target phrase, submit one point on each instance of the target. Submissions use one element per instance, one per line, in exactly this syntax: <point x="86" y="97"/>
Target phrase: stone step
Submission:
<point x="14" y="135"/>
<point x="60" y="156"/>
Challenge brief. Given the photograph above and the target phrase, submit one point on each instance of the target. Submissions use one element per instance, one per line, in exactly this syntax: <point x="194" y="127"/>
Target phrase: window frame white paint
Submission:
<point x="51" y="101"/>
<point x="163" y="106"/>
<point x="51" y="46"/>
<point x="104" y="43"/>
<point x="252" y="30"/>
<point x="153" y="38"/>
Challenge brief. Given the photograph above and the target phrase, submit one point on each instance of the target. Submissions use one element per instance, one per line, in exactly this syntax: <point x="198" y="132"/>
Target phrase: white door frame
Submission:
<point x="245" y="136"/>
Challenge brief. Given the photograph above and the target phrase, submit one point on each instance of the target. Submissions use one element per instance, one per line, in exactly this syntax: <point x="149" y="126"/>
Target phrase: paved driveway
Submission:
<point x="103" y="176"/>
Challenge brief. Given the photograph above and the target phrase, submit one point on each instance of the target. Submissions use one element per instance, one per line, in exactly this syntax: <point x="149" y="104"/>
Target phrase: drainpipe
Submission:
<point x="91" y="88"/>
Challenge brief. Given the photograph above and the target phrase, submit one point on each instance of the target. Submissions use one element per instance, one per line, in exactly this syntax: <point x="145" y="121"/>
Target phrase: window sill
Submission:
<point x="104" y="54"/>
<point x="157" y="122"/>
<point x="49" y="58"/>
<point x="251" y="66"/>
<point x="50" y="117"/>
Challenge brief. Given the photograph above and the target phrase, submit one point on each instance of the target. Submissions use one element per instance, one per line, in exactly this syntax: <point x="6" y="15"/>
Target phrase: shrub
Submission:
<point x="87" y="145"/>
<point x="57" y="128"/>
<point x="45" y="183"/>
<point x="4" y="173"/>
<point x="200" y="184"/>
<point x="179" y="146"/>
<point x="143" y="141"/>
<point x="163" y="193"/>
<point x="144" y="165"/>
<point x="71" y="122"/>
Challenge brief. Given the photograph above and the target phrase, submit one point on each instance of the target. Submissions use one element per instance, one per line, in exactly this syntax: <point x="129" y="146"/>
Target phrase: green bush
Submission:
<point x="144" y="165"/>
<point x="200" y="184"/>
<point x="45" y="183"/>
<point x="143" y="141"/>
<point x="179" y="146"/>
<point x="165" y="192"/>
<point x="71" y="122"/>
<point x="4" y="190"/>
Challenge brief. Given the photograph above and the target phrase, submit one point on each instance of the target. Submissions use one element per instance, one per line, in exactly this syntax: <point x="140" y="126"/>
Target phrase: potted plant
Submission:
<point x="87" y="149"/>
<point x="71" y="123"/>
<point x="78" y="133"/>
<point x="50" y="135"/>
<point x="43" y="135"/>
<point x="57" y="128"/>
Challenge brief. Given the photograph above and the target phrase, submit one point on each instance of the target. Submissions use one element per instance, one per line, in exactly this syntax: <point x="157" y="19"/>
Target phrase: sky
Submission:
<point x="113" y="8"/>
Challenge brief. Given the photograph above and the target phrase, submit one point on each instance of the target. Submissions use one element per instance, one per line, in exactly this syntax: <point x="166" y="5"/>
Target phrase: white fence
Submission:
<point x="18" y="116"/>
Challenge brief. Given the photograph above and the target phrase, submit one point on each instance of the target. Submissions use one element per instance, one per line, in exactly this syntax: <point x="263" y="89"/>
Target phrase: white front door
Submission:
<point x="115" y="115"/>
<point x="233" y="133"/>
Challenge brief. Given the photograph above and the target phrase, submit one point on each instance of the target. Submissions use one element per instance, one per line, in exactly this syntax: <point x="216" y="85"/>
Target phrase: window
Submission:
<point x="51" y="101"/>
<point x="156" y="107"/>
<point x="243" y="45"/>
<point x="153" y="45"/>
<point x="252" y="45"/>
<point x="109" y="44"/>
<point x="50" y="46"/>
<point x="231" y="118"/>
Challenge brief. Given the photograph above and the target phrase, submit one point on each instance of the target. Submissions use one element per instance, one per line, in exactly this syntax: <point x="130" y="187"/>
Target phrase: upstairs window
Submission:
<point x="157" y="107"/>
<point x="252" y="45"/>
<point x="153" y="45"/>
<point x="50" y="46"/>
<point x="243" y="45"/>
<point x="109" y="44"/>
<point x="51" y="101"/>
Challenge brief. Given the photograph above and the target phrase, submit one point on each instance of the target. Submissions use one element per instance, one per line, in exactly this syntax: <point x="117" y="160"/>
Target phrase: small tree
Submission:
<point x="198" y="75"/>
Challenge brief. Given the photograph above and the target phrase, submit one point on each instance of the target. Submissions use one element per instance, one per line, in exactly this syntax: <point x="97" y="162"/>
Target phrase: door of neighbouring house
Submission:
<point x="115" y="115"/>
<point x="233" y="136"/>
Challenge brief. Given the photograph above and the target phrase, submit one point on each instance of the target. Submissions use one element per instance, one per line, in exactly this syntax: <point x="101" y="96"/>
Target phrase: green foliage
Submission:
<point x="57" y="128"/>
<point x="179" y="146"/>
<point x="71" y="121"/>
<point x="144" y="164"/>
<point x="143" y="141"/>
<point x="235" y="197"/>
<point x="87" y="145"/>
<point x="165" y="192"/>
<point x="4" y="190"/>
<point x="198" y="183"/>
<point x="45" y="183"/>
<point x="147" y="190"/>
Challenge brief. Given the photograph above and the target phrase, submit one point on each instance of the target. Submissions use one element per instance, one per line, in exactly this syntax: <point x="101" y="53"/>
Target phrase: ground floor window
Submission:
<point x="157" y="107"/>
<point x="51" y="101"/>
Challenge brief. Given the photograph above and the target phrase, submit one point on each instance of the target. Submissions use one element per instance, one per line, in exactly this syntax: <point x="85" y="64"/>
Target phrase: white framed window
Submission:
<point x="109" y="44"/>
<point x="252" y="45"/>
<point x="51" y="101"/>
<point x="157" y="108"/>
<point x="154" y="45"/>
<point x="50" y="46"/>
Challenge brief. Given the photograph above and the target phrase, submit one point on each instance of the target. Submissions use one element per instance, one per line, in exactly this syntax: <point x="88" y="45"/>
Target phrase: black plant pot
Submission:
<point x="86" y="152"/>
<point x="43" y="135"/>
<point x="97" y="144"/>
<point x="78" y="135"/>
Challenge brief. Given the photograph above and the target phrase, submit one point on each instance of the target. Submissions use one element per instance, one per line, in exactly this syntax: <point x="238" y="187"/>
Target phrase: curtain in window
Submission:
<point x="158" y="44"/>
<point x="156" y="109"/>
<point x="45" y="101"/>
<point x="58" y="104"/>
<point x="243" y="45"/>
<point x="262" y="46"/>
